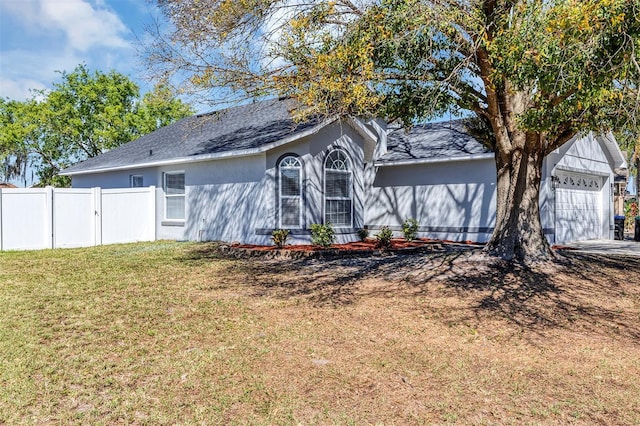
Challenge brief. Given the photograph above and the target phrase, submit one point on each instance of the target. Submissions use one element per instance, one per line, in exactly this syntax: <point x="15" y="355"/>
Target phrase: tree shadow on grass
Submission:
<point x="339" y="282"/>
<point x="592" y="293"/>
<point x="329" y="281"/>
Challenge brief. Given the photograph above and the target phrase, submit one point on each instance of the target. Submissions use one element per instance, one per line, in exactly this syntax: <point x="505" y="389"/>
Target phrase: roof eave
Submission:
<point x="360" y="127"/>
<point x="412" y="161"/>
<point x="609" y="140"/>
<point x="208" y="157"/>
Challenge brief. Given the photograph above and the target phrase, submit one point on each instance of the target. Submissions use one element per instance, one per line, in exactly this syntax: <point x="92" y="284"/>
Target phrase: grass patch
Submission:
<point x="168" y="332"/>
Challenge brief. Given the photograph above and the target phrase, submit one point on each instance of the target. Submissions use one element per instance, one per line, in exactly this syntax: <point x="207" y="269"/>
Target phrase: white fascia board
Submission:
<point x="208" y="157"/>
<point x="169" y="162"/>
<point x="362" y="129"/>
<point x="619" y="162"/>
<point x="472" y="157"/>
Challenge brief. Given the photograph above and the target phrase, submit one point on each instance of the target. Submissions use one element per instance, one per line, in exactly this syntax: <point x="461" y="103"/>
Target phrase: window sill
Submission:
<point x="172" y="222"/>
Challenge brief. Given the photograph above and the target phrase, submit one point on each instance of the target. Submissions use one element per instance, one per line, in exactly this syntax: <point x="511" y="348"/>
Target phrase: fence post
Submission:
<point x="54" y="230"/>
<point x="49" y="217"/>
<point x="97" y="216"/>
<point x="152" y="212"/>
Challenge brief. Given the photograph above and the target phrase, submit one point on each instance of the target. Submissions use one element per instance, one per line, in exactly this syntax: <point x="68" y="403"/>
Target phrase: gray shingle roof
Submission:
<point x="261" y="123"/>
<point x="431" y="141"/>
<point x="233" y="129"/>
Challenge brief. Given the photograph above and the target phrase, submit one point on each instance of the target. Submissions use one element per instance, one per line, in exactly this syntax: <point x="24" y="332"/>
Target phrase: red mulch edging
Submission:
<point x="353" y="249"/>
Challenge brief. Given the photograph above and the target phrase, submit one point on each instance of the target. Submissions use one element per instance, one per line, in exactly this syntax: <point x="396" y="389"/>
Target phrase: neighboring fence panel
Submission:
<point x="26" y="219"/>
<point x="66" y="217"/>
<point x="74" y="223"/>
<point x="128" y="215"/>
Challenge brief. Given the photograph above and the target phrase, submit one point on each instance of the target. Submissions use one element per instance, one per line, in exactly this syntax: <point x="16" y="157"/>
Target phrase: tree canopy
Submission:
<point x="534" y="73"/>
<point x="82" y="116"/>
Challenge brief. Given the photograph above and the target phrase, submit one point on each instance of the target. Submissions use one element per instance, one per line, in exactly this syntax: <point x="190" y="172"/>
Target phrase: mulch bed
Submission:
<point x="352" y="249"/>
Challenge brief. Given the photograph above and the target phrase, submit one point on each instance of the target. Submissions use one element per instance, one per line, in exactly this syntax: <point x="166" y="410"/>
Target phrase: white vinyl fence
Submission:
<point x="68" y="217"/>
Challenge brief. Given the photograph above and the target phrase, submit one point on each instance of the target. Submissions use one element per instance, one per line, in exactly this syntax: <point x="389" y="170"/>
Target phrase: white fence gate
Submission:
<point x="69" y="217"/>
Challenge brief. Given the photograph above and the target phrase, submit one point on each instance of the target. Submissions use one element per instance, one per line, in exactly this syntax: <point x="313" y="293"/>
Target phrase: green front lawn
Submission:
<point x="168" y="333"/>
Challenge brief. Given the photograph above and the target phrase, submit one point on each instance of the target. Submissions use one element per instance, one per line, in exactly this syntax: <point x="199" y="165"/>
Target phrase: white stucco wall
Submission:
<point x="236" y="199"/>
<point x="117" y="179"/>
<point x="585" y="154"/>
<point x="454" y="200"/>
<point x="312" y="152"/>
<point x="227" y="200"/>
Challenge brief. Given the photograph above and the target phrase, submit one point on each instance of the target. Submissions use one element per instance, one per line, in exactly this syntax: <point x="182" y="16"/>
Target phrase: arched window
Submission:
<point x="338" y="193"/>
<point x="290" y="191"/>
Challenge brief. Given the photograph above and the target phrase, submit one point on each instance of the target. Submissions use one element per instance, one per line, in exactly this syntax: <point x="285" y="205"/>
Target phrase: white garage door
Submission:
<point x="578" y="207"/>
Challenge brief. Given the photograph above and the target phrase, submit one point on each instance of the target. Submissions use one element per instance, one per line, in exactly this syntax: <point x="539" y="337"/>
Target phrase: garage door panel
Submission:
<point x="578" y="207"/>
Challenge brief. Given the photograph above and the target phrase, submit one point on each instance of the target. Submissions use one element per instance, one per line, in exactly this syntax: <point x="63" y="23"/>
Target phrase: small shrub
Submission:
<point x="322" y="235"/>
<point x="363" y="234"/>
<point x="410" y="229"/>
<point x="279" y="237"/>
<point x="383" y="238"/>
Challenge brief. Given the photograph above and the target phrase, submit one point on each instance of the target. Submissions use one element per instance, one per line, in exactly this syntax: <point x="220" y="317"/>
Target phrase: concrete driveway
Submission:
<point x="624" y="248"/>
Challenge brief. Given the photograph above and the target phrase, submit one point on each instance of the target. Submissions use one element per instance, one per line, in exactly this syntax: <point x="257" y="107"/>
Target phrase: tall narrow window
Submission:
<point x="338" y="197"/>
<point x="290" y="192"/>
<point x="174" y="195"/>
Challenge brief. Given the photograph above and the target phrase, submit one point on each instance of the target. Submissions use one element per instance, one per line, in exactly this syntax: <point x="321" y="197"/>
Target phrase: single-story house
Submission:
<point x="240" y="173"/>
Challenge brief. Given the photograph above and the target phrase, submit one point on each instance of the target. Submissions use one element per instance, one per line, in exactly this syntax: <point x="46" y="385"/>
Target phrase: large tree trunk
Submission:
<point x="518" y="231"/>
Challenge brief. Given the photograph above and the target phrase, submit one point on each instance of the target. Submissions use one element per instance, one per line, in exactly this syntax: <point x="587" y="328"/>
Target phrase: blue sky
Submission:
<point x="40" y="37"/>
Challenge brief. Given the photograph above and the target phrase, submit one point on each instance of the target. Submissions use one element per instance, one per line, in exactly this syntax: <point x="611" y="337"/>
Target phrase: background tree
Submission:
<point x="15" y="130"/>
<point x="158" y="108"/>
<point x="83" y="116"/>
<point x="534" y="73"/>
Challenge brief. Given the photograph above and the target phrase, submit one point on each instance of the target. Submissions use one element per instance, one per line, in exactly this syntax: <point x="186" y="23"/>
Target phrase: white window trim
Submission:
<point x="350" y="187"/>
<point x="281" y="197"/>
<point x="132" y="177"/>
<point x="580" y="181"/>
<point x="166" y="196"/>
